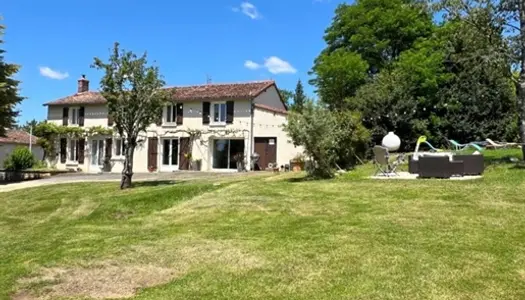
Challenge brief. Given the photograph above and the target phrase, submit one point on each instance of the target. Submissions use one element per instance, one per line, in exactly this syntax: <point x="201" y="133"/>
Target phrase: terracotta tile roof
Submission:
<point x="80" y="98"/>
<point x="270" y="108"/>
<point x="246" y="90"/>
<point x="18" y="137"/>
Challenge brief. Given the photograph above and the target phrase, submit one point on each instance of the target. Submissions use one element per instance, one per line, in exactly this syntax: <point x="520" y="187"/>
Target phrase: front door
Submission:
<point x="185" y="149"/>
<point x="170" y="155"/>
<point x="266" y="147"/>
<point x="97" y="152"/>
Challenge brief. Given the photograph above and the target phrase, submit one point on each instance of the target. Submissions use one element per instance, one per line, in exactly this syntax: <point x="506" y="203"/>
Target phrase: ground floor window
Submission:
<point x="224" y="152"/>
<point x="119" y="147"/>
<point x="170" y="152"/>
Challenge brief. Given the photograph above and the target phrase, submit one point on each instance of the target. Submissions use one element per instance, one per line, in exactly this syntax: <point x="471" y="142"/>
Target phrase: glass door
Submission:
<point x="97" y="152"/>
<point x="170" y="154"/>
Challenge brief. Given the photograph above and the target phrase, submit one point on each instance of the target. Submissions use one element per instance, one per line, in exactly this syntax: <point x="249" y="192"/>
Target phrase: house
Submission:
<point x="14" y="138"/>
<point x="206" y="125"/>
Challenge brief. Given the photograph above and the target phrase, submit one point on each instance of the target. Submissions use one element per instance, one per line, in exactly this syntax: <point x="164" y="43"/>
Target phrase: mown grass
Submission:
<point x="271" y="238"/>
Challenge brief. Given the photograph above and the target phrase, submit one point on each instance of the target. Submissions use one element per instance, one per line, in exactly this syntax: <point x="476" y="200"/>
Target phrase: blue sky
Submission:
<point x="55" y="41"/>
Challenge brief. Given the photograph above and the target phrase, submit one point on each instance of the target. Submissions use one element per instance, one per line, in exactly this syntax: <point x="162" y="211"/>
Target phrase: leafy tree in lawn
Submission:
<point x="9" y="96"/>
<point x="329" y="138"/>
<point x="286" y="95"/>
<point x="480" y="96"/>
<point x="135" y="99"/>
<point x="378" y="30"/>
<point x="402" y="99"/>
<point x="299" y="97"/>
<point x="339" y="75"/>
<point x="498" y="17"/>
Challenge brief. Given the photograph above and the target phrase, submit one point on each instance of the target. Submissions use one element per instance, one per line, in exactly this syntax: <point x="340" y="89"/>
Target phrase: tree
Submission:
<point x="497" y="18"/>
<point x="378" y="30"/>
<point x="135" y="95"/>
<point x="9" y="97"/>
<point x="339" y="75"/>
<point x="29" y="124"/>
<point x="299" y="98"/>
<point x="286" y="95"/>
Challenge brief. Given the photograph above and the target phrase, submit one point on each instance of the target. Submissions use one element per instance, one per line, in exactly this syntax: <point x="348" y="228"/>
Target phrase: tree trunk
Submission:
<point x="521" y="81"/>
<point x="127" y="172"/>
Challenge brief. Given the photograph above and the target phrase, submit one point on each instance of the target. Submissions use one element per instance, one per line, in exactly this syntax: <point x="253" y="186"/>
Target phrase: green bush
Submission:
<point x="20" y="159"/>
<point x="39" y="164"/>
<point x="330" y="138"/>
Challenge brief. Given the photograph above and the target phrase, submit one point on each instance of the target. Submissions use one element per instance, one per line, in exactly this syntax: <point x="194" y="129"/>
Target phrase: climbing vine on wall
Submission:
<point x="49" y="133"/>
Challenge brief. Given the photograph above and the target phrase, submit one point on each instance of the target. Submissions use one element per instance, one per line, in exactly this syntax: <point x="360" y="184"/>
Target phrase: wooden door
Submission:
<point x="153" y="144"/>
<point x="185" y="147"/>
<point x="266" y="147"/>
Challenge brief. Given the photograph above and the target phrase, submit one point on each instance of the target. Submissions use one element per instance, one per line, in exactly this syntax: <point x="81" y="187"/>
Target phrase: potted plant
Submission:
<point x="196" y="165"/>
<point x="187" y="155"/>
<point x="297" y="163"/>
<point x="238" y="158"/>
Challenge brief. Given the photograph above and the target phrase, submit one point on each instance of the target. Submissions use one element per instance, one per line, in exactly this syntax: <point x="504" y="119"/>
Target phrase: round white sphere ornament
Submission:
<point x="391" y="141"/>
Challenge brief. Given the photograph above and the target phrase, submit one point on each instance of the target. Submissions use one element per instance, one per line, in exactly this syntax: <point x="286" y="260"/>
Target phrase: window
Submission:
<point x="73" y="115"/>
<point x="225" y="153"/>
<point x="119" y="147"/>
<point x="171" y="114"/>
<point x="73" y="150"/>
<point x="170" y="152"/>
<point x="219" y="113"/>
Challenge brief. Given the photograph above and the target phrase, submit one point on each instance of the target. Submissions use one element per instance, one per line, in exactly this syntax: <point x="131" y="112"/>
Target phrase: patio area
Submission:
<point x="409" y="176"/>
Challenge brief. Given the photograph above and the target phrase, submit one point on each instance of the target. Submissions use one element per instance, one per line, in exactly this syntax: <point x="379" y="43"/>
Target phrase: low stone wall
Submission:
<point x="14" y="176"/>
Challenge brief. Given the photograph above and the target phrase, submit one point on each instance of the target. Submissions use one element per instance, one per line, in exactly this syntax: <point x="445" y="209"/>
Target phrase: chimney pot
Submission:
<point x="83" y="84"/>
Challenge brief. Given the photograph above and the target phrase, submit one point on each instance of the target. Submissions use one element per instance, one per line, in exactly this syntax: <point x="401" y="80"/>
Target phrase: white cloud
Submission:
<point x="50" y="73"/>
<point x="248" y="9"/>
<point x="273" y="64"/>
<point x="251" y="65"/>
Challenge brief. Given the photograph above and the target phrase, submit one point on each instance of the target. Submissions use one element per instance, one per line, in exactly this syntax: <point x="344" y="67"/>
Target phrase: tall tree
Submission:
<point x="338" y="76"/>
<point x="135" y="96"/>
<point x="497" y="18"/>
<point x="28" y="125"/>
<point x="367" y="36"/>
<point x="299" y="98"/>
<point x="9" y="96"/>
<point x="286" y="95"/>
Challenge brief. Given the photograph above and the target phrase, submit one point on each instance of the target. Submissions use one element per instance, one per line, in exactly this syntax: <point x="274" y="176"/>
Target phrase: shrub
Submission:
<point x="330" y="138"/>
<point x="39" y="164"/>
<point x="20" y="159"/>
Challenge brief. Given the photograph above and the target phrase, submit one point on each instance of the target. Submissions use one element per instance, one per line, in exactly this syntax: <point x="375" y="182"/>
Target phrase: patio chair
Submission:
<point x="383" y="163"/>
<point x="500" y="145"/>
<point x="423" y="140"/>
<point x="459" y="147"/>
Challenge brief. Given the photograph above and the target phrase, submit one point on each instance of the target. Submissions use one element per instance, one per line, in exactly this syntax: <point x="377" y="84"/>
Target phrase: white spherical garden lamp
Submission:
<point x="391" y="141"/>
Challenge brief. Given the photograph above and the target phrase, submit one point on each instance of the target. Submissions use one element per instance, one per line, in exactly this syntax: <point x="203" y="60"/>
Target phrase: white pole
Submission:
<point x="30" y="137"/>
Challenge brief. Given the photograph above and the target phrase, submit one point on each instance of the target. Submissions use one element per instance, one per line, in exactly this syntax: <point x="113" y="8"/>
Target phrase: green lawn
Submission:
<point x="275" y="237"/>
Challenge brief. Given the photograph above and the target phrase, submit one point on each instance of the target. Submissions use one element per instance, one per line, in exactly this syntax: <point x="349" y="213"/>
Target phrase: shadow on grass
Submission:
<point x="306" y="179"/>
<point x="502" y="156"/>
<point x="150" y="183"/>
<point x="518" y="166"/>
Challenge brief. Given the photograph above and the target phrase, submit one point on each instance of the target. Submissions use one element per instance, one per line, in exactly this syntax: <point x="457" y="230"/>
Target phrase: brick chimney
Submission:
<point x="83" y="84"/>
